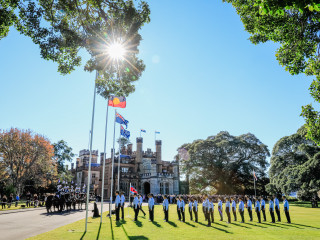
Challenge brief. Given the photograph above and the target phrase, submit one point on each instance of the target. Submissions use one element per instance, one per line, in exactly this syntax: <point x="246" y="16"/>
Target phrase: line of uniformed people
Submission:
<point x="207" y="208"/>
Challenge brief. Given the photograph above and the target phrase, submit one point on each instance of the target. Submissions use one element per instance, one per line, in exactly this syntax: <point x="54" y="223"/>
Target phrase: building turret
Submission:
<point x="138" y="153"/>
<point x="158" y="156"/>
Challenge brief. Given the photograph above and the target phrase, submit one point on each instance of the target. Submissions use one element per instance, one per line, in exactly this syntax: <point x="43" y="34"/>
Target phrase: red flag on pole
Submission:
<point x="133" y="190"/>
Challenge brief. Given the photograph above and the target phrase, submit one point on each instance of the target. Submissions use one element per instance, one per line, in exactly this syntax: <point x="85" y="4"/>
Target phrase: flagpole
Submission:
<point x="104" y="160"/>
<point x="119" y="159"/>
<point x="113" y="153"/>
<point x="90" y="157"/>
<point x="254" y="184"/>
<point x="129" y="199"/>
<point x="140" y="133"/>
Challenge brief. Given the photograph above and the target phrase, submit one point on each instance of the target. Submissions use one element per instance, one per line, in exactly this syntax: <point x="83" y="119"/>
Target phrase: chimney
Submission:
<point x="158" y="156"/>
<point x="111" y="153"/>
<point x="129" y="149"/>
<point x="138" y="153"/>
<point x="72" y="166"/>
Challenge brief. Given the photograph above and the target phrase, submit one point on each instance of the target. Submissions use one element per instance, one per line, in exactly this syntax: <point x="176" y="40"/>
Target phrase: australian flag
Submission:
<point x="124" y="132"/>
<point x="121" y="120"/>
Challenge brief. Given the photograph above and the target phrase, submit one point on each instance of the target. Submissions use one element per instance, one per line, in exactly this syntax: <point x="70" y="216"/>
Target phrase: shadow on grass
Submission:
<point x="255" y="225"/>
<point x="138" y="223"/>
<point x="156" y="224"/>
<point x="239" y="225"/>
<point x="98" y="235"/>
<point x="112" y="234"/>
<point x="220" y="229"/>
<point x="83" y="235"/>
<point x="291" y="224"/>
<point x="190" y="224"/>
<point x="220" y="224"/>
<point x="133" y="237"/>
<point x="273" y="225"/>
<point x="172" y="224"/>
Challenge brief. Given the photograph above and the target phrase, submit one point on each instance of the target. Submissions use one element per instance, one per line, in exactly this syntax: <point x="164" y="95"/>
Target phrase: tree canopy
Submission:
<point x="295" y="25"/>
<point x="62" y="28"/>
<point x="27" y="157"/>
<point x="224" y="163"/>
<point x="62" y="153"/>
<point x="295" y="164"/>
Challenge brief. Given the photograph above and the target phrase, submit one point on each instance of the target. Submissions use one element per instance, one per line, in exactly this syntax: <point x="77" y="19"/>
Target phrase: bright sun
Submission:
<point x="116" y="51"/>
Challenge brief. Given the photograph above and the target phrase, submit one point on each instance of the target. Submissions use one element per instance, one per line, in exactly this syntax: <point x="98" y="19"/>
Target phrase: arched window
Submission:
<point x="167" y="188"/>
<point x="161" y="188"/>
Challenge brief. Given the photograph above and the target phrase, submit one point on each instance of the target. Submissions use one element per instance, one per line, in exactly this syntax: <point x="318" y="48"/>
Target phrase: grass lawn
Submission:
<point x="306" y="225"/>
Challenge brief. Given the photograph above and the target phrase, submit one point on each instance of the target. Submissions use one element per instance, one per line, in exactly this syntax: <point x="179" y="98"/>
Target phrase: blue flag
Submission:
<point x="142" y="130"/>
<point x="125" y="133"/>
<point x="121" y="120"/>
<point x="156" y="132"/>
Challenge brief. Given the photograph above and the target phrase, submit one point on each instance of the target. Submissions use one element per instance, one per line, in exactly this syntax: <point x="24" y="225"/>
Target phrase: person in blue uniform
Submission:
<point x="117" y="206"/>
<point x="206" y="209"/>
<point x="234" y="209"/>
<point x="122" y="201"/>
<point x="151" y="207"/>
<point x="195" y="209"/>
<point x="220" y="209"/>
<point x="140" y="204"/>
<point x="286" y="208"/>
<point x="135" y="206"/>
<point x="182" y="205"/>
<point x="263" y="209"/>
<point x="277" y="207"/>
<point x="228" y="210"/>
<point x="241" y="209"/>
<point x="271" y="210"/>
<point x="190" y="208"/>
<point x="178" y="208"/>
<point x="249" y="207"/>
<point x="257" y="208"/>
<point x="165" y="205"/>
<point x="211" y="209"/>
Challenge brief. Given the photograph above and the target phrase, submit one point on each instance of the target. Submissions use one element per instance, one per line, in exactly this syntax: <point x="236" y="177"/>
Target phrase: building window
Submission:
<point x="93" y="175"/>
<point x="167" y="188"/>
<point x="124" y="169"/>
<point x="161" y="188"/>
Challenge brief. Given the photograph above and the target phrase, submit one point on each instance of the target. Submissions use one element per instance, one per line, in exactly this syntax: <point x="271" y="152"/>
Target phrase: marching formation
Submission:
<point x="233" y="205"/>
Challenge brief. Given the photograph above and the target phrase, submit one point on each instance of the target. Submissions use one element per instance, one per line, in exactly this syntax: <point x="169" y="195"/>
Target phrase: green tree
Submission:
<point x="123" y="141"/>
<point x="224" y="163"/>
<point x="295" y="25"/>
<point x="295" y="166"/>
<point x="62" y="28"/>
<point x="62" y="153"/>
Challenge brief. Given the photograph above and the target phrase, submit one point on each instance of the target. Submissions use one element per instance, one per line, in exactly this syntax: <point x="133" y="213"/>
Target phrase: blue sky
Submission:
<point x="202" y="76"/>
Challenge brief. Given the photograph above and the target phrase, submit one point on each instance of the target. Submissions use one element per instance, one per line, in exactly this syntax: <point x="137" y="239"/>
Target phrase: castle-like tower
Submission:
<point x="145" y="170"/>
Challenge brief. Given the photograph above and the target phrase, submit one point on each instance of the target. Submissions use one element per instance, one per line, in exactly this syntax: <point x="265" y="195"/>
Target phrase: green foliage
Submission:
<point x="62" y="28"/>
<point x="225" y="163"/>
<point x="123" y="141"/>
<point x="62" y="153"/>
<point x="295" y="25"/>
<point x="295" y="166"/>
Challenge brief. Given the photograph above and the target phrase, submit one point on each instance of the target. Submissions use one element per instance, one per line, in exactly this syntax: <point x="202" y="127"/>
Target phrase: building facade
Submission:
<point x="144" y="170"/>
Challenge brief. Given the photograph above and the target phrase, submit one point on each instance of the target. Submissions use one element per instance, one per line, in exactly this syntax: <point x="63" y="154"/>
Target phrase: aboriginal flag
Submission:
<point x="117" y="102"/>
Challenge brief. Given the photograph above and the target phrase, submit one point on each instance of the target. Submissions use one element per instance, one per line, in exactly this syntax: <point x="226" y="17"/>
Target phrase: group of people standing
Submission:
<point x="191" y="204"/>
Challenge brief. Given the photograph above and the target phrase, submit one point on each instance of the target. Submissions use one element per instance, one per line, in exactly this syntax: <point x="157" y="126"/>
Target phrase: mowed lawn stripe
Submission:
<point x="306" y="225"/>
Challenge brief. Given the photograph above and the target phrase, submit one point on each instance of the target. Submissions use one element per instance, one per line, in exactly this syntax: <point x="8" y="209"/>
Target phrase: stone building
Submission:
<point x="81" y="170"/>
<point x="145" y="170"/>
